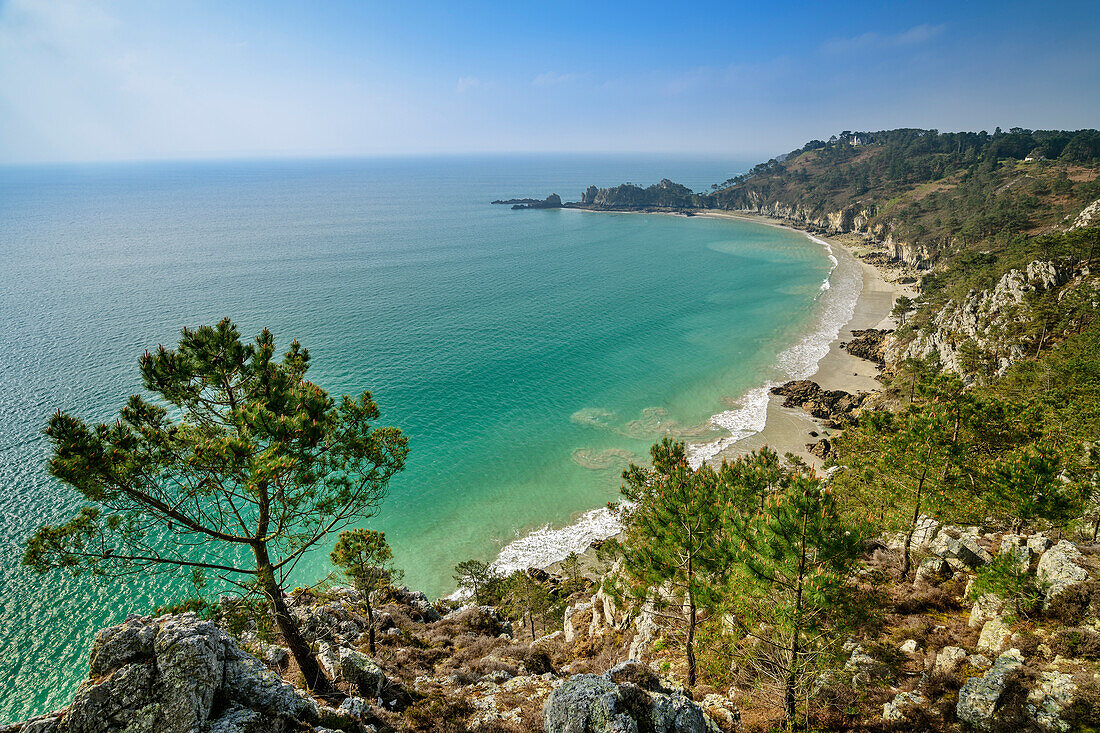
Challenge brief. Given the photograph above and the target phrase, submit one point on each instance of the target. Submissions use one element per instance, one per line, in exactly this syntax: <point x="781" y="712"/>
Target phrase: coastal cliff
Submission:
<point x="992" y="628"/>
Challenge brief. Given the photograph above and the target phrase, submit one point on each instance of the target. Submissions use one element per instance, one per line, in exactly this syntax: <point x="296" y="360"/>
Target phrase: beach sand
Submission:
<point x="788" y="429"/>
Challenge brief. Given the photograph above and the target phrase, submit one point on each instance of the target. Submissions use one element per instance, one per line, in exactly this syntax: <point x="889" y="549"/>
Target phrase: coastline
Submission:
<point x="785" y="430"/>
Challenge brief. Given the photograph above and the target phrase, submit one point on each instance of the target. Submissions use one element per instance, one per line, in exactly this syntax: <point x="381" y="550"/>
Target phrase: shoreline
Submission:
<point x="785" y="430"/>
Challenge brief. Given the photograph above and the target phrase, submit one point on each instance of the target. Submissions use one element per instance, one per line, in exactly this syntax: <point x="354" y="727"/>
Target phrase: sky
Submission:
<point x="92" y="80"/>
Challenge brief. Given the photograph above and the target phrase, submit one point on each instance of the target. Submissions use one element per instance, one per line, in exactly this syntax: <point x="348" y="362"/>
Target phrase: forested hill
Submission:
<point x="927" y="194"/>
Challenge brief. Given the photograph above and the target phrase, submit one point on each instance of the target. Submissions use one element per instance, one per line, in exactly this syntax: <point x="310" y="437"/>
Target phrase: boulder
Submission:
<point x="979" y="696"/>
<point x="864" y="668"/>
<point x="723" y="712"/>
<point x="1039" y="543"/>
<point x="986" y="607"/>
<point x="1016" y="545"/>
<point x="1058" y="570"/>
<point x="587" y="703"/>
<point x="898" y="708"/>
<point x="933" y="570"/>
<point x="568" y="628"/>
<point x="909" y="646"/>
<point x="177" y="674"/>
<point x="948" y="659"/>
<point x="1046" y="701"/>
<point x="962" y="553"/>
<point x="995" y="634"/>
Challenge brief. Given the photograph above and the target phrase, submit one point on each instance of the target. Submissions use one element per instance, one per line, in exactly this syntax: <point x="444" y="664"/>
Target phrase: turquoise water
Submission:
<point x="526" y="354"/>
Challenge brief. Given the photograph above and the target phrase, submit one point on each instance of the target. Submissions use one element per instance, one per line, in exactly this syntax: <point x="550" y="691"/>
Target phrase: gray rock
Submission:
<point x="170" y="675"/>
<point x="1058" y="570"/>
<point x="722" y="711"/>
<point x="987" y="606"/>
<point x="362" y="671"/>
<point x="898" y="708"/>
<point x="979" y="661"/>
<point x="995" y="634"/>
<point x="567" y="624"/>
<point x="932" y="570"/>
<point x="1039" y="543"/>
<point x="1015" y="545"/>
<point x="948" y="659"/>
<point x="979" y="696"/>
<point x="1046" y="701"/>
<point x="586" y="703"/>
<point x="864" y="668"/>
<point x="116" y="646"/>
<point x="963" y="553"/>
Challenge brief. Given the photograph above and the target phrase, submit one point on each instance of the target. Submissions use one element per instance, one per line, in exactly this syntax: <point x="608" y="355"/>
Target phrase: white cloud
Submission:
<point x="551" y="78"/>
<point x="466" y="83"/>
<point x="914" y="36"/>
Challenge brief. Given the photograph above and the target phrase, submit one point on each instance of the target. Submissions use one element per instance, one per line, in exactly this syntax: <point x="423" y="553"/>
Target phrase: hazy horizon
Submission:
<point x="86" y="81"/>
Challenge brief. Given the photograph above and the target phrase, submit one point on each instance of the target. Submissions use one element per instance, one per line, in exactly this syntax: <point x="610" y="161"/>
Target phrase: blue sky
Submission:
<point x="96" y="80"/>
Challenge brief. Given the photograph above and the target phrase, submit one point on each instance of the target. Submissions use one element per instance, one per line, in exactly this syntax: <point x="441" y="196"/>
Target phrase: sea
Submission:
<point x="529" y="356"/>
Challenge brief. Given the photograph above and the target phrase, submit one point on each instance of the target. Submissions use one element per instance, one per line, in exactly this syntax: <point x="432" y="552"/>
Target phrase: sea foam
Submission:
<point x="838" y="296"/>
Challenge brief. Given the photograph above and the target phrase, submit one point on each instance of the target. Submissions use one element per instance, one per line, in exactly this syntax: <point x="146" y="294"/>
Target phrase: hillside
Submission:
<point x="945" y="576"/>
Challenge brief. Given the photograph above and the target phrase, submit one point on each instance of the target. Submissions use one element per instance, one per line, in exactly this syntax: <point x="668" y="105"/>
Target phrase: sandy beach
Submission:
<point x="788" y="429"/>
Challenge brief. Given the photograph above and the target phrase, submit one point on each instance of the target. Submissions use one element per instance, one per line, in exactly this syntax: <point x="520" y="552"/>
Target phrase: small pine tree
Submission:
<point x="367" y="562"/>
<point x="790" y="588"/>
<point x="674" y="553"/>
<point x="526" y="599"/>
<point x="478" y="578"/>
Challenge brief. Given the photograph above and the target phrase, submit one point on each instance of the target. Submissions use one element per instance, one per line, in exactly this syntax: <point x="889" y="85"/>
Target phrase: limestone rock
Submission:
<point x="588" y="703"/>
<point x="1058" y="570"/>
<point x="949" y="658"/>
<point x="909" y="646"/>
<point x="897" y="708"/>
<point x="995" y="633"/>
<point x="1049" y="698"/>
<point x="979" y="696"/>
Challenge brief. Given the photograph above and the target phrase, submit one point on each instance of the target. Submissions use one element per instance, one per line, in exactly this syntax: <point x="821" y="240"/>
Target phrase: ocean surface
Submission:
<point x="528" y="355"/>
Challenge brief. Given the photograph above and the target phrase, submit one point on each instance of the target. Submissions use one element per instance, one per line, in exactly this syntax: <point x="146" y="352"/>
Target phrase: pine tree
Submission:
<point x="239" y="468"/>
<point x="790" y="589"/>
<point x="674" y="551"/>
<point x="367" y="561"/>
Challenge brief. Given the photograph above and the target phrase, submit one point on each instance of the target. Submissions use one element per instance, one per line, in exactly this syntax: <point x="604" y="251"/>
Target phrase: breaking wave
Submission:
<point x="838" y="295"/>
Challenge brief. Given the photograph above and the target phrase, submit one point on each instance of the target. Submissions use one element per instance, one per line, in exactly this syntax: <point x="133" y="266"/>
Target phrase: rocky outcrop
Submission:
<point x="979" y="696"/>
<point x="868" y="344"/>
<point x="1089" y="216"/>
<point x="835" y="406"/>
<point x="1059" y="569"/>
<point x="553" y="201"/>
<point x="983" y="328"/>
<point x="176" y="674"/>
<point x="588" y="703"/>
<point x="665" y="195"/>
<point x="902" y="704"/>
